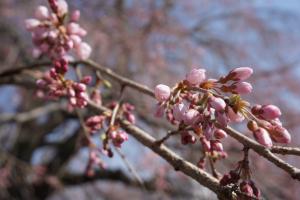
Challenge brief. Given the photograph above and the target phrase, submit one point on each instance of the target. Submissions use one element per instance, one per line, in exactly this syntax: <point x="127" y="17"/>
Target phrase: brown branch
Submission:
<point x="286" y="150"/>
<point x="177" y="162"/>
<point x="32" y="114"/>
<point x="263" y="151"/>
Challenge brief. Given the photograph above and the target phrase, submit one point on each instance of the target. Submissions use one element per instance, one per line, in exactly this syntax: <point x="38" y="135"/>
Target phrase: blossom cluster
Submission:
<point x="53" y="85"/>
<point x="112" y="133"/>
<point x="57" y="35"/>
<point x="54" y="37"/>
<point x="203" y="107"/>
<point x="241" y="177"/>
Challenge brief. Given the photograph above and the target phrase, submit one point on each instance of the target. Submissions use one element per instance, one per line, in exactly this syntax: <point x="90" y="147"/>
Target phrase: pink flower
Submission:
<point x="190" y="117"/>
<point x="42" y="13"/>
<point x="270" y="112"/>
<point x="217" y="103"/>
<point x="242" y="88"/>
<point x="262" y="136"/>
<point x="196" y="76"/>
<point x="162" y="92"/>
<point x="241" y="73"/>
<point x="62" y="7"/>
<point x="220" y="134"/>
<point x="83" y="51"/>
<point x="179" y="111"/>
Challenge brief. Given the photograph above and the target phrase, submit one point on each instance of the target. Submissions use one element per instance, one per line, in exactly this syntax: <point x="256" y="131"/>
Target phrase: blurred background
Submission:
<point x="149" y="41"/>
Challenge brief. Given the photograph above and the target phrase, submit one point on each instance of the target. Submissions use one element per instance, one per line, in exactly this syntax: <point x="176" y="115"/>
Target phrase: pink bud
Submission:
<point x="280" y="134"/>
<point x="222" y="118"/>
<point x="220" y="134"/>
<point x="73" y="101"/>
<point x="41" y="83"/>
<point x="75" y="15"/>
<point x="191" y="117"/>
<point x="217" y="103"/>
<point x="242" y="88"/>
<point x="86" y="80"/>
<point x="62" y="7"/>
<point x="130" y="117"/>
<point x="36" y="53"/>
<point x="80" y="86"/>
<point x="241" y="73"/>
<point x="82" y="32"/>
<point x="71" y="92"/>
<point x="83" y="51"/>
<point x="262" y="136"/>
<point x="162" y="92"/>
<point x="196" y="76"/>
<point x="270" y="112"/>
<point x="76" y="40"/>
<point x="31" y="24"/>
<point x="179" y="111"/>
<point x="73" y="28"/>
<point x="216" y="145"/>
<point x="205" y="144"/>
<point x="246" y="188"/>
<point x="42" y="13"/>
<point x="234" y="117"/>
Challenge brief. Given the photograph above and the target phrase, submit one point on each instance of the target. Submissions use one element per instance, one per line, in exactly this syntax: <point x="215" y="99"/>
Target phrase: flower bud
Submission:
<point x="252" y="125"/>
<point x="280" y="134"/>
<point x="246" y="188"/>
<point x="86" y="80"/>
<point x="270" y="112"/>
<point x="256" y="110"/>
<point x="76" y="40"/>
<point x="262" y="136"/>
<point x="83" y="51"/>
<point x="162" y="92"/>
<point x="190" y="117"/>
<point x="220" y="134"/>
<point x="242" y="88"/>
<point x="75" y="15"/>
<point x="62" y="7"/>
<point x="216" y="145"/>
<point x="241" y="73"/>
<point x="73" y="28"/>
<point x="196" y="76"/>
<point x="205" y="144"/>
<point x="222" y="118"/>
<point x="31" y="24"/>
<point x="179" y="111"/>
<point x="42" y="13"/>
<point x="217" y="103"/>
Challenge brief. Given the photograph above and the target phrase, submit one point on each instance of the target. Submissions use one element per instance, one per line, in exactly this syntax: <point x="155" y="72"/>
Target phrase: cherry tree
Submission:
<point x="199" y="108"/>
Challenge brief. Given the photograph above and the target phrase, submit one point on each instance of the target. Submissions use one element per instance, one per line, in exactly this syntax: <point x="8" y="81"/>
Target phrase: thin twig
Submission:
<point x="130" y="168"/>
